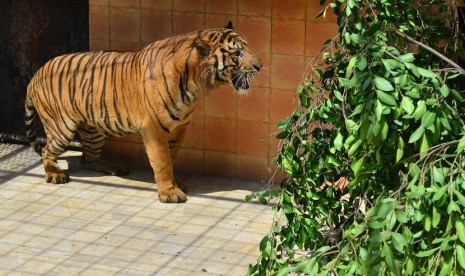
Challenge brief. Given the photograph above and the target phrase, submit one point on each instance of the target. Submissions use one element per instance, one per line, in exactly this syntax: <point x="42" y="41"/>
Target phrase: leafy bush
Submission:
<point x="382" y="110"/>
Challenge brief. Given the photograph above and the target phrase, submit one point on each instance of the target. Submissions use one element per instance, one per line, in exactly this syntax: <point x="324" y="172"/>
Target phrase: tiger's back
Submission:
<point x="94" y="88"/>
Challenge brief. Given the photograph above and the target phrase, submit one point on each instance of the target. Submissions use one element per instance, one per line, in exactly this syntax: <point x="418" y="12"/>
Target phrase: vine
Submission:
<point x="374" y="151"/>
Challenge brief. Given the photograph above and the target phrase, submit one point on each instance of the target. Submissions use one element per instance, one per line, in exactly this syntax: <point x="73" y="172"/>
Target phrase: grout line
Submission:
<point x="109" y="27"/>
<point x="269" y="85"/>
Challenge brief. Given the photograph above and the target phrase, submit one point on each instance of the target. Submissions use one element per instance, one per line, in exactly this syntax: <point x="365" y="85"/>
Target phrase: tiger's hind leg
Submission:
<point x="57" y="141"/>
<point x="92" y="142"/>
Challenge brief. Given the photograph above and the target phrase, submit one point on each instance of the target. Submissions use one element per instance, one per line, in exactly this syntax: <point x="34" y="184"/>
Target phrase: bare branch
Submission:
<point x="412" y="40"/>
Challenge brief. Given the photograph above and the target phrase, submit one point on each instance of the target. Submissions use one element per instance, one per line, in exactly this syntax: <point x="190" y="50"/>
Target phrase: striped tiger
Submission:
<point x="153" y="92"/>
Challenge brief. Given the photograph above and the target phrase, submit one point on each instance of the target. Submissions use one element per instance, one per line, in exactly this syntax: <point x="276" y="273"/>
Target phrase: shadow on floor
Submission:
<point x="20" y="159"/>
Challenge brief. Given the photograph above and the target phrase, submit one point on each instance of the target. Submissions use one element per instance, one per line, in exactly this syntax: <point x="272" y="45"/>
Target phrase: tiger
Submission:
<point x="153" y="92"/>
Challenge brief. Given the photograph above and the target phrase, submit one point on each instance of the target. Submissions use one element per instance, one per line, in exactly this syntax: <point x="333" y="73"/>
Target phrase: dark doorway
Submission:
<point x="32" y="32"/>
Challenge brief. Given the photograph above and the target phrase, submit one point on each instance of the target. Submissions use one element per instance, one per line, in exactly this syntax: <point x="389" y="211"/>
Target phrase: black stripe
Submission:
<point x="168" y="92"/>
<point x="185" y="98"/>
<point x="147" y="102"/>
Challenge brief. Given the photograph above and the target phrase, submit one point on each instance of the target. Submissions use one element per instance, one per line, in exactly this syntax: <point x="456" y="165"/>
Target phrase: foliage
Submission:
<point x="384" y="112"/>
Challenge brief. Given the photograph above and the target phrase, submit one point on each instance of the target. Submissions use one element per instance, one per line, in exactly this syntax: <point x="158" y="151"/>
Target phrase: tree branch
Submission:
<point x="410" y="39"/>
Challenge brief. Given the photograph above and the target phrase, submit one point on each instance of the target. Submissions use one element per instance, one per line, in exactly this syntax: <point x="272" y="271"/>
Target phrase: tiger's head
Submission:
<point x="228" y="59"/>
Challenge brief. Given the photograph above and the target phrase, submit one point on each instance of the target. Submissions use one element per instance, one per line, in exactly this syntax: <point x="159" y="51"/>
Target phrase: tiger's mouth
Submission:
<point x="241" y="81"/>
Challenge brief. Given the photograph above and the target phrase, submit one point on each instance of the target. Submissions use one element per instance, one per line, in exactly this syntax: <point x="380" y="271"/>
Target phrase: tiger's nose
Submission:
<point x="258" y="65"/>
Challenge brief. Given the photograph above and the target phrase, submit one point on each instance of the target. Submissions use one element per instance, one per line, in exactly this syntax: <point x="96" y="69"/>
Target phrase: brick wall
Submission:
<point x="228" y="135"/>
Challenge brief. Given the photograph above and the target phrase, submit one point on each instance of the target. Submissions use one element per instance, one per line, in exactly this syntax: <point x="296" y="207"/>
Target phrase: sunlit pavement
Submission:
<point x="108" y="225"/>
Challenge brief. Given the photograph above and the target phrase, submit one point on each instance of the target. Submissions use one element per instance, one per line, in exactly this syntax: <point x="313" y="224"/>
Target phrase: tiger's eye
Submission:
<point x="238" y="53"/>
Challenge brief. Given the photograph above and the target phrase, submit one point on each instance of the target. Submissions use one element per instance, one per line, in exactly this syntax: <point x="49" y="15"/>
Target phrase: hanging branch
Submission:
<point x="412" y="40"/>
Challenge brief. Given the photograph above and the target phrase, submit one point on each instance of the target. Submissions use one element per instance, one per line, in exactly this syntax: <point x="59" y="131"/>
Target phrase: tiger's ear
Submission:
<point x="229" y="25"/>
<point x="202" y="46"/>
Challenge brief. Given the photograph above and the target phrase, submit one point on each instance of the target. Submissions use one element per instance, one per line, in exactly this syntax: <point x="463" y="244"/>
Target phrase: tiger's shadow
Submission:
<point x="143" y="179"/>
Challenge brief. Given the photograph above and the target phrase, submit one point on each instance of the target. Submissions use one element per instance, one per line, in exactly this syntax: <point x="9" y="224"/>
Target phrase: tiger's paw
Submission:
<point x="57" y="177"/>
<point x="174" y="195"/>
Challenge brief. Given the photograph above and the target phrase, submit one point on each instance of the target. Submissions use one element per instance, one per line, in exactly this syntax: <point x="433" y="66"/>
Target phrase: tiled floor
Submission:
<point x="107" y="225"/>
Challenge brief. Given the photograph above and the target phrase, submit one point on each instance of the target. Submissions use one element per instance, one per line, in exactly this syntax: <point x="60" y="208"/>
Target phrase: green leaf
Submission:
<point x="444" y="121"/>
<point x="351" y="3"/>
<point x="414" y="169"/>
<point x="460" y="255"/>
<point x="444" y="90"/>
<point x="386" y="98"/>
<point x="351" y="125"/>
<point x="362" y="64"/>
<point x="379" y="110"/>
<point x="461" y="144"/>
<point x="357" y="110"/>
<point x="338" y="141"/>
<point x="359" y="228"/>
<point x="424" y="146"/>
<point x="383" y="84"/>
<point x="427" y="222"/>
<point x="412" y="68"/>
<point x="453" y="76"/>
<point x="416" y="135"/>
<point x="407" y="105"/>
<point x="384" y="130"/>
<point x="249" y="198"/>
<point x="426" y="73"/>
<point x="456" y="95"/>
<point x="387" y="67"/>
<point x="363" y="253"/>
<point x="390" y="260"/>
<point x="391" y="63"/>
<point x="427" y="253"/>
<point x="284" y="124"/>
<point x="284" y="271"/>
<point x="263" y="200"/>
<point x="440" y="193"/>
<point x="407" y="57"/>
<point x="460" y="197"/>
<point x="356" y="165"/>
<point x="401" y="217"/>
<point x="288" y="165"/>
<point x="387" y="205"/>
<point x="410" y="266"/>
<point x="453" y="206"/>
<point x="349" y="141"/>
<point x="374" y="224"/>
<point x="438" y="175"/>
<point x="353" y="149"/>
<point x="282" y="135"/>
<point x="379" y="237"/>
<point x="400" y="149"/>
<point x="436" y="217"/>
<point x="338" y="95"/>
<point x="356" y="38"/>
<point x="265" y="246"/>
<point x="399" y="242"/>
<point x="446" y="267"/>
<point x="351" y="65"/>
<point x="420" y="110"/>
<point x="460" y="229"/>
<point x="428" y="119"/>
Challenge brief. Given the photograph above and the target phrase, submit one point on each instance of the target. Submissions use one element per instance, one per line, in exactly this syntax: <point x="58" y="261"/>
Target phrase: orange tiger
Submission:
<point x="153" y="92"/>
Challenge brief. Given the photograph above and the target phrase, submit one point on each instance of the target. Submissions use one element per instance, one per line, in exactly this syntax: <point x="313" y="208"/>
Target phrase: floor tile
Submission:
<point x="108" y="225"/>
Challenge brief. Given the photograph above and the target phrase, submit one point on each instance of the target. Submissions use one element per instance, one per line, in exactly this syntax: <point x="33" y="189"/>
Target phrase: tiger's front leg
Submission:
<point x="156" y="142"/>
<point x="175" y="139"/>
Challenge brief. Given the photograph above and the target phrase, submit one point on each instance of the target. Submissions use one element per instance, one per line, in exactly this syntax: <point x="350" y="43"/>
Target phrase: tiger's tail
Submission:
<point x="31" y="121"/>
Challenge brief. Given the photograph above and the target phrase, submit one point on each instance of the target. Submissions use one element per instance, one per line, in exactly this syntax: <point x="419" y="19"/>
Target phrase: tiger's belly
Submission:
<point x="112" y="125"/>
